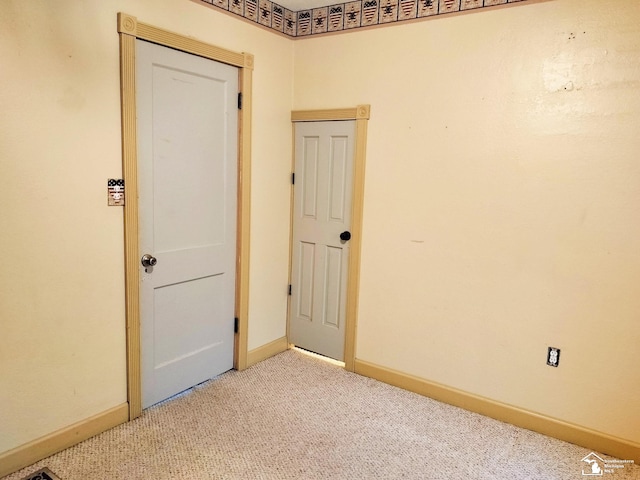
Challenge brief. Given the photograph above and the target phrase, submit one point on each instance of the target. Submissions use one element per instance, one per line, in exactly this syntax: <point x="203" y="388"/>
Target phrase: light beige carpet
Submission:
<point x="295" y="417"/>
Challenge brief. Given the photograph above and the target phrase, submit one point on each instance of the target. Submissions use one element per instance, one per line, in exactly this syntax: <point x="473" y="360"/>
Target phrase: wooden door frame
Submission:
<point x="361" y="115"/>
<point x="130" y="29"/>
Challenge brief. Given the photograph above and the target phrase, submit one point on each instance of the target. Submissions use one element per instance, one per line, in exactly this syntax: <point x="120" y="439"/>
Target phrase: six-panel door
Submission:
<point x="322" y="212"/>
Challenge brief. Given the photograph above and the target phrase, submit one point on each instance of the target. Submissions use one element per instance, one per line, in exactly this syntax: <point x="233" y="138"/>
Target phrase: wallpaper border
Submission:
<point x="345" y="16"/>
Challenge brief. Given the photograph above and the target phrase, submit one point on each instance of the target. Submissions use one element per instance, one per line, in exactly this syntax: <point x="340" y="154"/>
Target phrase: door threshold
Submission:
<point x="309" y="353"/>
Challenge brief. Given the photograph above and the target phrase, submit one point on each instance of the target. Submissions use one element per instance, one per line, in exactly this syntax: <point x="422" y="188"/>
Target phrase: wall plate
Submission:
<point x="553" y="356"/>
<point x="115" y="192"/>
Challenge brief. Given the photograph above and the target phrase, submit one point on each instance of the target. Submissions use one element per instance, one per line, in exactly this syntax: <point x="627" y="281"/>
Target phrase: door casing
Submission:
<point x="130" y="29"/>
<point x="361" y="115"/>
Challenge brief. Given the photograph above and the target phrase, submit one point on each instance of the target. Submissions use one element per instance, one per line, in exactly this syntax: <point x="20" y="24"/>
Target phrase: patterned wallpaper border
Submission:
<point x="345" y="16"/>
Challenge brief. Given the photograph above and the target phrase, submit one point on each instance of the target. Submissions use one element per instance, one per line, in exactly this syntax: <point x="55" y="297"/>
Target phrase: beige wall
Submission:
<point x="500" y="212"/>
<point x="62" y="337"/>
<point x="501" y="201"/>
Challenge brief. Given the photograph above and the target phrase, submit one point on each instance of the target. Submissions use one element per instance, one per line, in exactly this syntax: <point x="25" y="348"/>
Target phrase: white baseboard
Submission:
<point x="31" y="452"/>
<point x="576" y="434"/>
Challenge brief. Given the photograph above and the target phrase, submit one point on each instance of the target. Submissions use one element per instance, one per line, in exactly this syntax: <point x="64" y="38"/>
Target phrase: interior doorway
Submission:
<point x="130" y="30"/>
<point x="358" y="117"/>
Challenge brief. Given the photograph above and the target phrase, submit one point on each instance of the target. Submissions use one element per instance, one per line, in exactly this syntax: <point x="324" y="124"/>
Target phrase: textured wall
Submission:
<point x="500" y="211"/>
<point x="62" y="325"/>
<point x="501" y="201"/>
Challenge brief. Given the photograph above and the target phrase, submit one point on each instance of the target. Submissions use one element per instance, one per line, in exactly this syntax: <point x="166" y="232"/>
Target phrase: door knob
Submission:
<point x="148" y="260"/>
<point x="345" y="236"/>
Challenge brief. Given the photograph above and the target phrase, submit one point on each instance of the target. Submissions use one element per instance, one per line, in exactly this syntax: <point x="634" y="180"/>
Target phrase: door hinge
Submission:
<point x="235" y="325"/>
<point x="293" y="178"/>
<point x="239" y="100"/>
<point x="289" y="289"/>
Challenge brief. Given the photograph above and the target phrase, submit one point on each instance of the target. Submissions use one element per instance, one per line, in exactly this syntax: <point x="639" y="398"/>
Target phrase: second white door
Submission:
<point x="321" y="232"/>
<point x="187" y="176"/>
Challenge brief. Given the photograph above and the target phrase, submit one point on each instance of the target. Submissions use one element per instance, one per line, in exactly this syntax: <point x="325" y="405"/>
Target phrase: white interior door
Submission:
<point x="187" y="175"/>
<point x="321" y="216"/>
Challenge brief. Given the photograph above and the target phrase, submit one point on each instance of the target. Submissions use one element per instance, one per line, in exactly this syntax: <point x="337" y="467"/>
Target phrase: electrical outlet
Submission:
<point x="553" y="357"/>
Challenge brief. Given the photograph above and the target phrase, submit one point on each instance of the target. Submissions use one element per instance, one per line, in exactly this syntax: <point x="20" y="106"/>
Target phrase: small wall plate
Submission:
<point x="553" y="357"/>
<point x="115" y="192"/>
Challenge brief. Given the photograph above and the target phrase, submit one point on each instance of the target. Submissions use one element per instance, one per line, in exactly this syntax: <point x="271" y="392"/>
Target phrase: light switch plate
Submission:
<point x="115" y="192"/>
